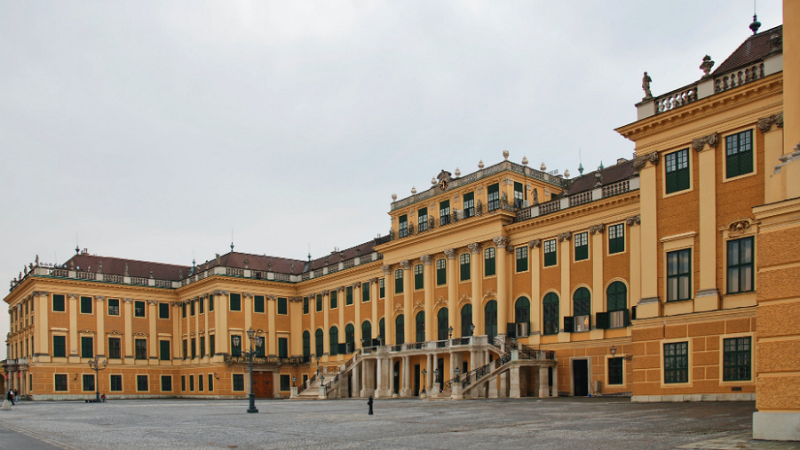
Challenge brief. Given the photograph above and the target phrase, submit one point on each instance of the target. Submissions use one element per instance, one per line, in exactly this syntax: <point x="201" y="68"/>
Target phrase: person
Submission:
<point x="10" y="396"/>
<point x="103" y="398"/>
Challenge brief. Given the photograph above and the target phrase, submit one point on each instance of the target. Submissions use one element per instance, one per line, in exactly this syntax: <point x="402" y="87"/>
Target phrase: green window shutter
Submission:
<point x="602" y="320"/>
<point x="282" y="306"/>
<point x="550" y="259"/>
<point x="164" y="350"/>
<point x="236" y="302"/>
<point x="419" y="277"/>
<point x="349" y="295"/>
<point x="382" y="288"/>
<point x="305" y="305"/>
<point x="58" y="303"/>
<point x="59" y="346"/>
<point x="87" y="347"/>
<point x="86" y="305"/>
<point x="334" y="299"/>
<point x="569" y="324"/>
<point x="441" y="276"/>
<point x="465" y="271"/>
<point x="258" y="303"/>
<point x="283" y="350"/>
<point x="398" y="281"/>
<point x="672" y="185"/>
<point x="626" y="317"/>
<point x="522" y="259"/>
<point x="364" y="292"/>
<point x="489" y="262"/>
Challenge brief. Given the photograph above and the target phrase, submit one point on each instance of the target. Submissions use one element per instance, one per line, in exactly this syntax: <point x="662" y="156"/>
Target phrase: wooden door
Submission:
<point x="262" y="385"/>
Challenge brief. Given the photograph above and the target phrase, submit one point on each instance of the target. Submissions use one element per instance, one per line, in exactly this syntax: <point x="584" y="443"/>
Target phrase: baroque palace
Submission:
<point x="669" y="277"/>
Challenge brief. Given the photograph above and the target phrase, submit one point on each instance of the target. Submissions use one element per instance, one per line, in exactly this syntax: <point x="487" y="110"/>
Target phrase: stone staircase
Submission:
<point x="333" y="382"/>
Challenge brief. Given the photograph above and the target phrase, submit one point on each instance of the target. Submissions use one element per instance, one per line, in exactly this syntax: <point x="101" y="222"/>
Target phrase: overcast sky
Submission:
<point x="153" y="129"/>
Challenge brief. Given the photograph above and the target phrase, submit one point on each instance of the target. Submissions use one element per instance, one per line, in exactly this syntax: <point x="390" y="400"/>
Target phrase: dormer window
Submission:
<point x="403" y="226"/>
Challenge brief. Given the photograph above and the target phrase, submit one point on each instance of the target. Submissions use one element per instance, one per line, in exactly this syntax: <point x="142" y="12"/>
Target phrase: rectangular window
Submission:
<point x="616" y="238"/>
<point x="211" y="302"/>
<point x="522" y="258"/>
<point x="236" y="345"/>
<point x="382" y="288"/>
<point x="398" y="281"/>
<point x="469" y="205"/>
<point x="58" y="303"/>
<point x="183" y="383"/>
<point x="141" y="348"/>
<point x="494" y="197"/>
<point x="61" y="382"/>
<point x="116" y="383"/>
<point x="736" y="357"/>
<point x="402" y="226"/>
<point x="364" y="292"/>
<point x="236" y="302"/>
<point x="87" y="347"/>
<point x="138" y="309"/>
<point x="212" y="345"/>
<point x="113" y="307"/>
<point x="319" y="302"/>
<point x="676" y="362"/>
<point x="210" y="382"/>
<point x="419" y="277"/>
<point x="286" y="383"/>
<point x="444" y="212"/>
<point x="550" y="254"/>
<point x="679" y="268"/>
<point x="581" y="246"/>
<point x="422" y="219"/>
<point x="201" y="302"/>
<point x="193" y="347"/>
<point x="200" y="383"/>
<point x="740" y="265"/>
<point x="441" y="272"/>
<point x="238" y="382"/>
<point x="488" y="262"/>
<point x="183" y="310"/>
<point x="617" y="319"/>
<point x="164" y="350"/>
<point x="261" y="350"/>
<point x="191" y="383"/>
<point x="202" y="346"/>
<point x="305" y="305"/>
<point x="86" y="305"/>
<point x="519" y="196"/>
<point x="739" y="154"/>
<point x="59" y="346"/>
<point x="615" y="370"/>
<point x="114" y="348"/>
<point x="283" y="307"/>
<point x="185" y="349"/>
<point x="348" y="295"/>
<point x="677" y="168"/>
<point x="258" y="304"/>
<point x="166" y="383"/>
<point x="141" y="383"/>
<point x="88" y="383"/>
<point x="334" y="298"/>
<point x="465" y="267"/>
<point x="192" y="308"/>
<point x="163" y="310"/>
<point x="283" y="348"/>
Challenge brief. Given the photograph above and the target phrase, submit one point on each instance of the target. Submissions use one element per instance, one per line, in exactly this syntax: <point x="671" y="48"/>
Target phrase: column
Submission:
<point x="42" y="342"/>
<point x="272" y="345"/>
<point x="340" y="301"/>
<point x="452" y="290"/>
<point x="501" y="258"/>
<point x="127" y="306"/>
<point x="357" y="300"/>
<point x="188" y="356"/>
<point x="649" y="305"/>
<point x="151" y="316"/>
<point x="565" y="301"/>
<point x="429" y="373"/>
<point x="408" y="305"/>
<point x="74" y="356"/>
<point x="707" y="297"/>
<point x="597" y="233"/>
<point x="176" y="331"/>
<point x="554" y="390"/>
<point x="364" y="386"/>
<point x="221" y="308"/>
<point x="406" y="392"/>
<point x="204" y="298"/>
<point x="543" y="387"/>
<point x="513" y="382"/>
<point x="312" y="309"/>
<point x="476" y="282"/>
<point x="427" y="279"/>
<point x="326" y="326"/>
<point x="373" y="295"/>
<point x="248" y="313"/>
<point x="388" y="319"/>
<point x="296" y="311"/>
<point x="534" y="253"/>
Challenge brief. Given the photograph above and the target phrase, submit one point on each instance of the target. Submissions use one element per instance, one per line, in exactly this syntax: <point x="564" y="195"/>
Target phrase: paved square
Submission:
<point x="527" y="423"/>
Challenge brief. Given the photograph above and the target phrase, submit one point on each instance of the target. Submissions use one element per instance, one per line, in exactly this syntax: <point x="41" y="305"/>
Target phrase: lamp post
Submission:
<point x="450" y="331"/>
<point x="456" y="371"/>
<point x="472" y="329"/>
<point x="425" y="382"/>
<point x="95" y="365"/>
<point x="255" y="344"/>
<point x="293" y="381"/>
<point x="613" y="351"/>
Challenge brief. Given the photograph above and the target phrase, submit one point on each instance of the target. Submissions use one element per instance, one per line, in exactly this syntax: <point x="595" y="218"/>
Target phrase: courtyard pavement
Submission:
<point x="565" y="423"/>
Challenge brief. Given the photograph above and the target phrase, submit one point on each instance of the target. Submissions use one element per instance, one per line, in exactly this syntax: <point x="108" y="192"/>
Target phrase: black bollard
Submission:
<point x="370" y="405"/>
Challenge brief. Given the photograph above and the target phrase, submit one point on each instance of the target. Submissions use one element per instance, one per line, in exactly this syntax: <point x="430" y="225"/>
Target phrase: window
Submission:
<point x="236" y="345"/>
<point x="469" y="205"/>
<point x="419" y="277"/>
<point x="141" y="348"/>
<point x="202" y="346"/>
<point x="350" y="337"/>
<point x="194" y="347"/>
<point x="465" y="267"/>
<point x="488" y="262"/>
<point x="261" y="350"/>
<point x="676" y="362"/>
<point x="550" y="307"/>
<point x="490" y="319"/>
<point x="550" y="258"/>
<point x="61" y="382"/>
<point x="421" y="326"/>
<point x="211" y="302"/>
<point x="466" y="320"/>
<point x="306" y="346"/>
<point x="236" y="302"/>
<point x="319" y="344"/>
<point x="581" y="246"/>
<point x="212" y="345"/>
<point x="382" y="288"/>
<point x="318" y="302"/>
<point x="305" y="305"/>
<point x="522" y="258"/>
<point x="210" y="382"/>
<point x="582" y="309"/>
<point x="183" y="383"/>
<point x="185" y="349"/>
<point x="382" y="330"/>
<point x="615" y="370"/>
<point x="141" y="383"/>
<point x="399" y="330"/>
<point x="366" y="333"/>
<point x="286" y="382"/>
<point x="740" y="265"/>
<point x="398" y="281"/>
<point x="113" y="307"/>
<point x="183" y="310"/>
<point x="191" y="383"/>
<point x="86" y="305"/>
<point x="402" y="226"/>
<point x="283" y="306"/>
<point x="201" y="305"/>
<point x="616" y="238"/>
<point x="87" y="347"/>
<point x="617" y="296"/>
<point x="192" y="307"/>
<point x="116" y="383"/>
<point x="166" y="383"/>
<point x="422" y="219"/>
<point x="348" y="295"/>
<point x="334" y="298"/>
<point x="163" y="310"/>
<point x="333" y="341"/>
<point x="364" y="292"/>
<point x="283" y="348"/>
<point x="200" y="383"/>
<point x="519" y="195"/>
<point x="444" y="212"/>
<point x="138" y="309"/>
<point x="441" y="272"/>
<point x="736" y="359"/>
<point x="88" y="382"/>
<point x="58" y="303"/>
<point x="114" y="348"/>
<point x="679" y="267"/>
<point x="59" y="346"/>
<point x="164" y="350"/>
<point x="677" y="168"/>
<point x="494" y="197"/>
<point x="258" y="304"/>
<point x="739" y="154"/>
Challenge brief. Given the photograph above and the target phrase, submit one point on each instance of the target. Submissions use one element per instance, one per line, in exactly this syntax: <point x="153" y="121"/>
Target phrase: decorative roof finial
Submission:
<point x="505" y="154"/>
<point x="706" y="65"/>
<point x="77" y="249"/>
<point x="566" y="173"/>
<point x="580" y="168"/>
<point x="127" y="273"/>
<point x="231" y="246"/>
<point x="458" y="172"/>
<point x="413" y="190"/>
<point x="524" y="160"/>
<point x="543" y="167"/>
<point x="480" y="164"/>
<point x="755" y="25"/>
<point x="433" y="181"/>
<point x="601" y="165"/>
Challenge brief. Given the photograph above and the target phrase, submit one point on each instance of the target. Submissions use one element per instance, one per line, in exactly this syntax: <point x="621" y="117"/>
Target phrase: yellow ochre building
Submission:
<point x="672" y="276"/>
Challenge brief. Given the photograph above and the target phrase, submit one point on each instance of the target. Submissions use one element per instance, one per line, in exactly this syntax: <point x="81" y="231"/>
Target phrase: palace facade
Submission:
<point x="656" y="278"/>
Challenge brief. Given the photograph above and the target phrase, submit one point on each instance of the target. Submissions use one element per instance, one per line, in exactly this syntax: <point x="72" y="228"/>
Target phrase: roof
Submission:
<point x="140" y="269"/>
<point x="611" y="174"/>
<point x="755" y="48"/>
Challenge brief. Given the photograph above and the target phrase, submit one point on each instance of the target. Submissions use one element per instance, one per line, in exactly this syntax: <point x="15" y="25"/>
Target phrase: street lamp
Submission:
<point x="255" y="344"/>
<point x="472" y="329"/>
<point x="425" y="382"/>
<point x="95" y="365"/>
<point x="293" y="381"/>
<point x="613" y="350"/>
<point x="450" y="330"/>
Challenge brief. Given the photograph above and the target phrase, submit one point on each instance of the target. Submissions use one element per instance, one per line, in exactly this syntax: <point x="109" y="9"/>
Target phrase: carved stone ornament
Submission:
<point x="295" y="299"/>
<point x="86" y="331"/>
<point x="419" y="304"/>
<point x="406" y="265"/>
<point x="247" y="294"/>
<point x="176" y="304"/>
<point x="372" y="280"/>
<point x="739" y="226"/>
<point x="500" y="241"/>
<point x="766" y="123"/>
<point x="127" y="300"/>
<point x="426" y="259"/>
<point x="564" y="236"/>
<point x="489" y="294"/>
<point x="99" y="298"/>
<point x="464" y="300"/>
<point x="634" y="220"/>
<point x="441" y="301"/>
<point x="219" y="292"/>
<point x="386" y="269"/>
<point x="152" y="302"/>
<point x="114" y="333"/>
<point x="599" y="228"/>
<point x="398" y="307"/>
<point x="474" y="248"/>
<point x="700" y="143"/>
<point x="536" y="243"/>
<point x="272" y="297"/>
<point x="72" y="295"/>
<point x="640" y="161"/>
<point x="450" y="253"/>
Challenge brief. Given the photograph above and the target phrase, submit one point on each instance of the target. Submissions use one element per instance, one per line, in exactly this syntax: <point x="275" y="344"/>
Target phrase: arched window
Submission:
<point x="366" y="333"/>
<point x="350" y="337"/>
<point x="582" y="309"/>
<point x="490" y="319"/>
<point x="421" y="326"/>
<point x="306" y="346"/>
<point x="399" y="330"/>
<point x="466" y="320"/>
<point x="443" y="323"/>
<point x="318" y="343"/>
<point x="617" y="296"/>
<point x="334" y="341"/>
<point x="550" y="306"/>
<point x="382" y="325"/>
<point x="522" y="317"/>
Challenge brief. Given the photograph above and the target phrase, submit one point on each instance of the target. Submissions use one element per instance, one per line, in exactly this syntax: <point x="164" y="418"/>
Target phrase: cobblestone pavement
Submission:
<point x="573" y="423"/>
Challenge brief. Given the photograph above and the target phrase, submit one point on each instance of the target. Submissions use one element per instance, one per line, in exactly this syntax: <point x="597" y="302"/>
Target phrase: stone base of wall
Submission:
<point x="776" y="426"/>
<point x="82" y="397"/>
<point x="694" y="398"/>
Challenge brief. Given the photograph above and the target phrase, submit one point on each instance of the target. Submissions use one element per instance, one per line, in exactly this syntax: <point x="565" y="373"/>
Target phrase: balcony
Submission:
<point x="578" y="199"/>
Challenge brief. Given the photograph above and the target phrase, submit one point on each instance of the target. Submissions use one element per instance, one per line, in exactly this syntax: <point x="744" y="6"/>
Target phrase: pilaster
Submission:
<point x="408" y="305"/>
<point x="153" y="341"/>
<point x="388" y="305"/>
<point x="707" y="295"/>
<point x="272" y="310"/>
<point x="452" y="292"/>
<point x="176" y="331"/>
<point x="597" y="234"/>
<point x="428" y="282"/>
<point x="534" y="253"/>
<point x="476" y="269"/>
<point x="565" y="303"/>
<point x="127" y="306"/>
<point x="73" y="328"/>
<point x="501" y="256"/>
<point x="42" y="343"/>
<point x="326" y="326"/>
<point x="357" y="300"/>
<point x="649" y="305"/>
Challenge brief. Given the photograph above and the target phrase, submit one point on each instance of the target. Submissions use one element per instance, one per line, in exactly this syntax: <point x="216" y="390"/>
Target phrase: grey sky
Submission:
<point x="152" y="129"/>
